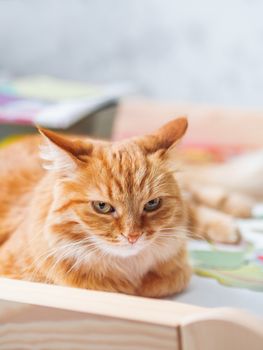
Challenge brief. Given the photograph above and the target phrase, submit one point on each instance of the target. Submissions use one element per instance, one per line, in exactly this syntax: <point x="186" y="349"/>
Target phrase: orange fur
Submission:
<point x="51" y="233"/>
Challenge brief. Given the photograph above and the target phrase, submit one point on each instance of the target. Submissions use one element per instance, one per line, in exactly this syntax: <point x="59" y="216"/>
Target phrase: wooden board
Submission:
<point x="39" y="316"/>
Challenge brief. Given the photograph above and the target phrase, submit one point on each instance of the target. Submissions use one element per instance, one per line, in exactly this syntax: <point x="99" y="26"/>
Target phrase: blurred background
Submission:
<point x="199" y="51"/>
<point x="199" y="58"/>
<point x="154" y="60"/>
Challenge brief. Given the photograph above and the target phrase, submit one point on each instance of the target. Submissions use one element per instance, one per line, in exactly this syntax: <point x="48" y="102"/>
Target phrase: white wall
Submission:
<point x="207" y="51"/>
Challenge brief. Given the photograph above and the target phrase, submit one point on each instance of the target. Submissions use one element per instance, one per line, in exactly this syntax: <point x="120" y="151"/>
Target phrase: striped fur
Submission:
<point x="50" y="232"/>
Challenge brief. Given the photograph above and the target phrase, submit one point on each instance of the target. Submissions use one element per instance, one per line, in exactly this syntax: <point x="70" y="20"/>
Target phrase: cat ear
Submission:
<point x="165" y="138"/>
<point x="61" y="153"/>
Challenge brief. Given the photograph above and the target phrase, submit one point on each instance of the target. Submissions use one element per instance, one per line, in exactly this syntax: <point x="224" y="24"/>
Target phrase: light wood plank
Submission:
<point x="162" y="312"/>
<point x="115" y="321"/>
<point x="91" y="333"/>
<point x="222" y="329"/>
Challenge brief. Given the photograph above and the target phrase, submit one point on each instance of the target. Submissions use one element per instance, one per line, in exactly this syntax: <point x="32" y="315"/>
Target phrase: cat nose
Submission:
<point x="133" y="237"/>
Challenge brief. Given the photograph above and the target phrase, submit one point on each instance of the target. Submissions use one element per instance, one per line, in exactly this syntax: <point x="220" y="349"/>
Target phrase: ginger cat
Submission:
<point x="105" y="216"/>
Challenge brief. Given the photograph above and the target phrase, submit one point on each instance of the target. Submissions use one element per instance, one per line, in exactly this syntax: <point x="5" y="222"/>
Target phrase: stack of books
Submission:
<point x="72" y="107"/>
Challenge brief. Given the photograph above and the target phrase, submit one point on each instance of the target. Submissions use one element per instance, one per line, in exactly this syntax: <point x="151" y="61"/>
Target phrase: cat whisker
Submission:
<point x="186" y="232"/>
<point x="73" y="253"/>
<point x="65" y="249"/>
<point x="187" y="235"/>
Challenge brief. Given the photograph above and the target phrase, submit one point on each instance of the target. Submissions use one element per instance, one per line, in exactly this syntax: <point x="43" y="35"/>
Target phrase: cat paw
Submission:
<point x="225" y="231"/>
<point x="155" y="286"/>
<point x="238" y="205"/>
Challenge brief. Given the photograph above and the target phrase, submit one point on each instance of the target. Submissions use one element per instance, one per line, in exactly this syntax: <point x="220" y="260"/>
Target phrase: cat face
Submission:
<point x="116" y="197"/>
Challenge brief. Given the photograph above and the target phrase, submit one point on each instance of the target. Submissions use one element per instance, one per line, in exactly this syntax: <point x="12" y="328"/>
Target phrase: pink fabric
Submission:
<point x="209" y="125"/>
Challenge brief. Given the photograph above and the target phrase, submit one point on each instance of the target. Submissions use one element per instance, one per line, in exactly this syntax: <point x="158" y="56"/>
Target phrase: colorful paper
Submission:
<point x="236" y="266"/>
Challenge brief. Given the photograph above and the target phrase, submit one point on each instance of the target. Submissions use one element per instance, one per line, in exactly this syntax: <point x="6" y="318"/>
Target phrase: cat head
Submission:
<point x="119" y="197"/>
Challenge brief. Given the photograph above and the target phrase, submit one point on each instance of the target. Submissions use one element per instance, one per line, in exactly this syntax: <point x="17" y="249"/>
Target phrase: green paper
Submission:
<point x="218" y="259"/>
<point x="248" y="276"/>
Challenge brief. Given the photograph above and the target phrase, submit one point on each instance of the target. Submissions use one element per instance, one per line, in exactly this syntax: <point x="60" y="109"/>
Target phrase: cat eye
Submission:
<point x="102" y="207"/>
<point x="152" y="205"/>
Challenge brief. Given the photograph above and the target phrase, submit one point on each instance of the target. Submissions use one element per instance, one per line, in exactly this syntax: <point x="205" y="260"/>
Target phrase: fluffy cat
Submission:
<point x="104" y="216"/>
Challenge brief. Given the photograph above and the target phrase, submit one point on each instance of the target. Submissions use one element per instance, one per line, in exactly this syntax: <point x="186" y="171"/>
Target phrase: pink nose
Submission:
<point x="133" y="237"/>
